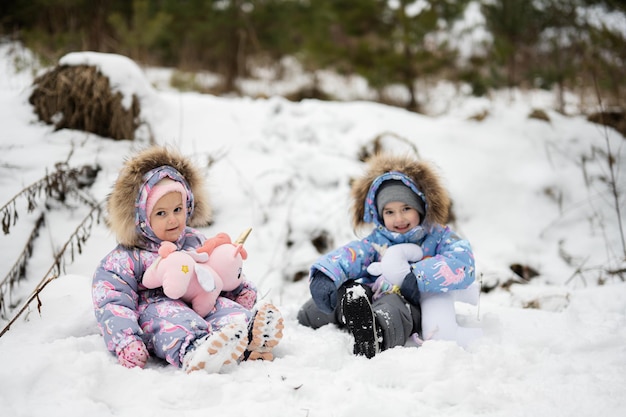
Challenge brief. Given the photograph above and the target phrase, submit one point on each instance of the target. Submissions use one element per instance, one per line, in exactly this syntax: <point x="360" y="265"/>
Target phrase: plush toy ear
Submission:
<point x="205" y="278"/>
<point x="166" y="248"/>
<point x="211" y="243"/>
<point x="207" y="247"/>
<point x="240" y="250"/>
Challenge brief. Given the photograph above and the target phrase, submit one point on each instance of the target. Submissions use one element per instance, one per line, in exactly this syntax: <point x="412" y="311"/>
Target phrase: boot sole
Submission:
<point x="360" y="320"/>
<point x="265" y="333"/>
<point x="221" y="348"/>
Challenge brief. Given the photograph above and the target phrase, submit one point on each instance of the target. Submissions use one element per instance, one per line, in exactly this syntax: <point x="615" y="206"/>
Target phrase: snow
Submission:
<point x="284" y="169"/>
<point x="124" y="75"/>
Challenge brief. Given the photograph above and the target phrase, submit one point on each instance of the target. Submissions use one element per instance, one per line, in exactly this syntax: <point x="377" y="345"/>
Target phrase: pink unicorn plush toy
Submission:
<point x="198" y="277"/>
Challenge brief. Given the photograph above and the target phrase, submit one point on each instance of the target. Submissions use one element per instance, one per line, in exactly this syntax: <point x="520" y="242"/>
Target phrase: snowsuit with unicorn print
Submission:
<point x="128" y="313"/>
<point x="446" y="267"/>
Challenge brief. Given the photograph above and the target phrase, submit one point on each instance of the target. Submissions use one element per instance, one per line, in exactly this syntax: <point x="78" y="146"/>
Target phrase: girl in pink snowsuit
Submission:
<point x="159" y="196"/>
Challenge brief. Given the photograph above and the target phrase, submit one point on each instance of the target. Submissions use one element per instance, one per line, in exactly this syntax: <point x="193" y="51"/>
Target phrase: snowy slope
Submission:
<point x="284" y="169"/>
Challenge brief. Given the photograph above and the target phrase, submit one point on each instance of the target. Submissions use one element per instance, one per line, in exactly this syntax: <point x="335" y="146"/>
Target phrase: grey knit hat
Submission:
<point x="395" y="190"/>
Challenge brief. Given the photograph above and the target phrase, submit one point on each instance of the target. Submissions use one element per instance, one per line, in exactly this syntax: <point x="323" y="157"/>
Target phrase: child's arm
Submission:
<point x="333" y="269"/>
<point x="115" y="296"/>
<point x="348" y="262"/>
<point x="448" y="262"/>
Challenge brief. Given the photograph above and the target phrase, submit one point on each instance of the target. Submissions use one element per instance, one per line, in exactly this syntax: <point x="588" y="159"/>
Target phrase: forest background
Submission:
<point x="560" y="45"/>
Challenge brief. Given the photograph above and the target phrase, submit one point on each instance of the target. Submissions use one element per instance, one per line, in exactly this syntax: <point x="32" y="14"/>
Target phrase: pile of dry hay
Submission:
<point x="79" y="97"/>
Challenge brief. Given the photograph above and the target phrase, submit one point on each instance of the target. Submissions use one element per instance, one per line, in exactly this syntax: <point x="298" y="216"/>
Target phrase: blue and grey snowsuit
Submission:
<point x="448" y="264"/>
<point x="444" y="250"/>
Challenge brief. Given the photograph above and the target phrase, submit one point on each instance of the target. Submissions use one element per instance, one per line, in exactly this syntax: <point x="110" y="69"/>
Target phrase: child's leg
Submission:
<point x="172" y="330"/>
<point x="226" y="312"/>
<point x="357" y="314"/>
<point x="226" y="341"/>
<point x="170" y="327"/>
<point x="311" y="316"/>
<point x="397" y="320"/>
<point x="219" y="348"/>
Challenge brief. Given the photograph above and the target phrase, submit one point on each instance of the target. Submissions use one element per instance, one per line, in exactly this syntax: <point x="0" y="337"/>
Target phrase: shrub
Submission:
<point x="80" y="97"/>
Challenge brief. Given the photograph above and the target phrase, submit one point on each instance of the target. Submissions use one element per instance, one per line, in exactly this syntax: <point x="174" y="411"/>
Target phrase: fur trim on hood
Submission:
<point x="418" y="175"/>
<point x="122" y="202"/>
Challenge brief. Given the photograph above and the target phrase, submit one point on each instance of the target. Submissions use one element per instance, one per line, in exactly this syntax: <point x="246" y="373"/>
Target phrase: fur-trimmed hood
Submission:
<point x="420" y="176"/>
<point x="126" y="215"/>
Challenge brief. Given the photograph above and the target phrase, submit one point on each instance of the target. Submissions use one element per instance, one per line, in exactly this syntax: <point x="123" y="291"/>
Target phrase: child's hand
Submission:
<point x="135" y="354"/>
<point x="246" y="298"/>
<point x="323" y="292"/>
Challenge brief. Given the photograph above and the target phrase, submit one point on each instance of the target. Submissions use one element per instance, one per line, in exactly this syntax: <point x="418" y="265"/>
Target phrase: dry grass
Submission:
<point x="80" y="97"/>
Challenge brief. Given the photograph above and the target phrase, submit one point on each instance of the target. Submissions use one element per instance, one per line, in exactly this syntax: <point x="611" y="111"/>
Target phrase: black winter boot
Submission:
<point x="359" y="317"/>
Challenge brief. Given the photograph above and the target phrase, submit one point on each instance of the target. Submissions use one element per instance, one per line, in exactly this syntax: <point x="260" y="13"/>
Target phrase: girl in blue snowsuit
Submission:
<point x="137" y="322"/>
<point x="344" y="290"/>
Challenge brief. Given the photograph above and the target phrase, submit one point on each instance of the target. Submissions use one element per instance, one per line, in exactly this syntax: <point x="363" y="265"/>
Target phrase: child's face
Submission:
<point x="399" y="217"/>
<point x="168" y="217"/>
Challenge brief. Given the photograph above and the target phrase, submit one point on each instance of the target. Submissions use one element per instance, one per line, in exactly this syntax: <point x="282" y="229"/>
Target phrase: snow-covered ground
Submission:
<point x="522" y="194"/>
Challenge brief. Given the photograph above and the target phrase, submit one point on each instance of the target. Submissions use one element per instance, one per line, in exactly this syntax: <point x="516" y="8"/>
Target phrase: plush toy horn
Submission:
<point x="242" y="237"/>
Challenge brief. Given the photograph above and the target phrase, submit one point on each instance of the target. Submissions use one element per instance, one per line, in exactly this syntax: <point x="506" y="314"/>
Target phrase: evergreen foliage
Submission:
<point x="547" y="43"/>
